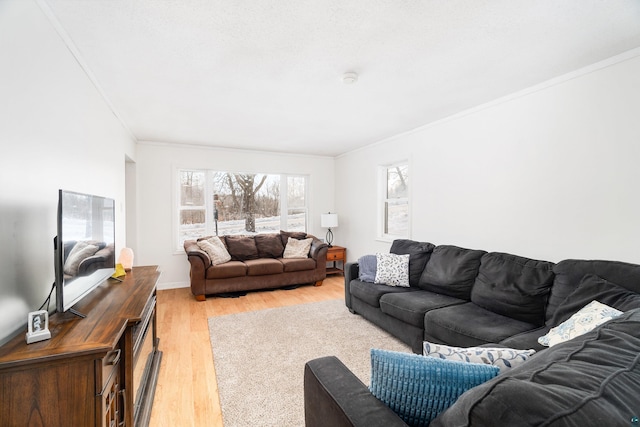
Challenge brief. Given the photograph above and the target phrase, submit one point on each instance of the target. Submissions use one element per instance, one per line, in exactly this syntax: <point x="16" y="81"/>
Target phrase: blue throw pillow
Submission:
<point x="418" y="388"/>
<point x="367" y="268"/>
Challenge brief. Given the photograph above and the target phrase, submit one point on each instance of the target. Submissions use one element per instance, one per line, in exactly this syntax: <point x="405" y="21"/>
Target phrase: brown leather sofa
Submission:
<point x="256" y="263"/>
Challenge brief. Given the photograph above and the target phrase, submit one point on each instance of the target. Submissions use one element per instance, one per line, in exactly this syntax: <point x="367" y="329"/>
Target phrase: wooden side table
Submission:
<point x="336" y="254"/>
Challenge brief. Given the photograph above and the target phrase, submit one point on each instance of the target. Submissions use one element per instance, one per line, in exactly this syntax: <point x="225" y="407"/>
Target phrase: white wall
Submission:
<point x="550" y="174"/>
<point x="156" y="218"/>
<point x="56" y="132"/>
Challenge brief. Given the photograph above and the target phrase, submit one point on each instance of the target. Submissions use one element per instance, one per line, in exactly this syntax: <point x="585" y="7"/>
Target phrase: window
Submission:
<point x="394" y="210"/>
<point x="216" y="202"/>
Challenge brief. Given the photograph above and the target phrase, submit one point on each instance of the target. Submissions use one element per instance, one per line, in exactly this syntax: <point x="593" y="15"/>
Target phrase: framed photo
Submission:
<point x="38" y="326"/>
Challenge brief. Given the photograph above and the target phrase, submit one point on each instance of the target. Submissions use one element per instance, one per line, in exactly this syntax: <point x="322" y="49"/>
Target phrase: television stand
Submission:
<point x="77" y="313"/>
<point x="97" y="371"/>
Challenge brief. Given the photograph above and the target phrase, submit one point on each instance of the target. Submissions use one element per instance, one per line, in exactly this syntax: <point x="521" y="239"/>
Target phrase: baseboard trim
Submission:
<point x="172" y="285"/>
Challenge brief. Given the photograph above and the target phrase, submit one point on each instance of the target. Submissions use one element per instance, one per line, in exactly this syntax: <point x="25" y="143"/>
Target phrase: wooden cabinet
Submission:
<point x="336" y="254"/>
<point x="84" y="375"/>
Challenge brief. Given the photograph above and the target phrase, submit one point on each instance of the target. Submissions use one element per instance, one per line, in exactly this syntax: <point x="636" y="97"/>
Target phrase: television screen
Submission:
<point x="84" y="245"/>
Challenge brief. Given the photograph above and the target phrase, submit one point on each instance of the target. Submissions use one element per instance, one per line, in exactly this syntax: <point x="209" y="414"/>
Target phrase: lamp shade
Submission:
<point x="329" y="220"/>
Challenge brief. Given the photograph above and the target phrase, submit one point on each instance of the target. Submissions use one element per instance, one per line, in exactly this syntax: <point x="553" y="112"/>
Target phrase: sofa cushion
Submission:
<point x="527" y="339"/>
<point x="392" y="269"/>
<point x="411" y="307"/>
<point x="269" y="245"/>
<point x="367" y="267"/>
<point x="217" y="251"/>
<point x="419" y="253"/>
<point x="590" y="381"/>
<point x="226" y="270"/>
<point x="263" y="266"/>
<point x="468" y="325"/>
<point x="591" y="288"/>
<point x="503" y="358"/>
<point x="589" y="317"/>
<point x="242" y="247"/>
<point x="451" y="271"/>
<point x="371" y="292"/>
<point x="570" y="272"/>
<point x="513" y="286"/>
<point x="418" y="388"/>
<point x="297" y="248"/>
<point x="298" y="264"/>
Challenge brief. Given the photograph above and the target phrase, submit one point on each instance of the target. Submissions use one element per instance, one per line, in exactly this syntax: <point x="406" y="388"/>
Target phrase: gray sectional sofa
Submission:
<point x="464" y="297"/>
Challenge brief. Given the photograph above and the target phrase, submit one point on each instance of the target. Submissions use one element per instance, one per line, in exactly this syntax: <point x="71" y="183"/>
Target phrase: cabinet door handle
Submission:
<point x="114" y="357"/>
<point x="123" y="413"/>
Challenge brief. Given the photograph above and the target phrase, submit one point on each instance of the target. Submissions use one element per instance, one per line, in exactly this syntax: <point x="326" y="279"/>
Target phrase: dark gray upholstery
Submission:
<point x="513" y="286"/>
<point x="410" y="307"/>
<point x="593" y="379"/>
<point x="372" y="292"/>
<point x="570" y="272"/>
<point x="337" y="398"/>
<point x="528" y="339"/>
<point x="512" y="290"/>
<point x="410" y="334"/>
<point x="451" y="271"/>
<point x="468" y="325"/>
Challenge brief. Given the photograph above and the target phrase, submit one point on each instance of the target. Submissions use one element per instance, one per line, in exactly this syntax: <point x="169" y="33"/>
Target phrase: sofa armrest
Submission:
<point x="334" y="396"/>
<point x="351" y="271"/>
<point x="318" y="250"/>
<point x="193" y="250"/>
<point x="199" y="262"/>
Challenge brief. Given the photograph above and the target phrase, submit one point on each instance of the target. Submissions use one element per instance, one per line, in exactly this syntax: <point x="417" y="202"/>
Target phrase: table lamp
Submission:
<point x="329" y="220"/>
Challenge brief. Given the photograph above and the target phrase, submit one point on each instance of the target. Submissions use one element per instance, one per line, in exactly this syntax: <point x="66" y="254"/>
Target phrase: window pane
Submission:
<point x="297" y="220"/>
<point x="397" y="181"/>
<point x="295" y="190"/>
<point x="397" y="218"/>
<point x="192" y="184"/>
<point x="247" y="203"/>
<point x="192" y="223"/>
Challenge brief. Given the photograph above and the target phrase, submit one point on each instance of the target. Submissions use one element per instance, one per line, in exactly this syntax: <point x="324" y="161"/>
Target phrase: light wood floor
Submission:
<point x="187" y="391"/>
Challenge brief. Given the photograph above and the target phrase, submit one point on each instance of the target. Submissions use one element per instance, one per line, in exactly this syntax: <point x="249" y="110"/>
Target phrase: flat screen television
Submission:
<point x="84" y="246"/>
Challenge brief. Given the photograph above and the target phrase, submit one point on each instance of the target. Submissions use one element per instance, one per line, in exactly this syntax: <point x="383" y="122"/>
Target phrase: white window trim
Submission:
<point x="209" y="201"/>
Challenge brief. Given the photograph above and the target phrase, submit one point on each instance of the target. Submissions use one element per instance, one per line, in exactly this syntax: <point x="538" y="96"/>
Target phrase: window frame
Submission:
<point x="209" y="222"/>
<point x="384" y="201"/>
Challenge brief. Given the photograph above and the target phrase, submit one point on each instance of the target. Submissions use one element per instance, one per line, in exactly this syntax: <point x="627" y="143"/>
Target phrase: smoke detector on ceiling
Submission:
<point x="350" y="78"/>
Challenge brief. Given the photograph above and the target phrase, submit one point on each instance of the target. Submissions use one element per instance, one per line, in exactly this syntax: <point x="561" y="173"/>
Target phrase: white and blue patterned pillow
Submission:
<point x="418" y="388"/>
<point x="589" y="317"/>
<point x="392" y="269"/>
<point x="503" y="358"/>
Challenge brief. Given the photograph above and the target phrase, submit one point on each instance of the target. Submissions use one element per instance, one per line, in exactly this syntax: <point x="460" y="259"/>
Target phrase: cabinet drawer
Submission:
<point x="334" y="256"/>
<point x="110" y="367"/>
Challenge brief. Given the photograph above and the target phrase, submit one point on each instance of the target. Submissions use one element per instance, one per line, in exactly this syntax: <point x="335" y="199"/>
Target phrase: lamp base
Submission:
<point x="329" y="238"/>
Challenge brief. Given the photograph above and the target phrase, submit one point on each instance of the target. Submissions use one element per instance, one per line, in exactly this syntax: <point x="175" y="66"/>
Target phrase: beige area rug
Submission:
<point x="259" y="357"/>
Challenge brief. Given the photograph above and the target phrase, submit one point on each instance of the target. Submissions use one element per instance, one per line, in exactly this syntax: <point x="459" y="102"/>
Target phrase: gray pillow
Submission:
<point x="367" y="267"/>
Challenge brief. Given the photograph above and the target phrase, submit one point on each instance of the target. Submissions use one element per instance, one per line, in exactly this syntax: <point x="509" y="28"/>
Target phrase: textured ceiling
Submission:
<point x="267" y="74"/>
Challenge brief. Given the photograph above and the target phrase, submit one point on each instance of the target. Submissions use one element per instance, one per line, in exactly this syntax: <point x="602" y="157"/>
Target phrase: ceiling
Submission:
<point x="268" y="75"/>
